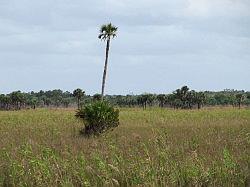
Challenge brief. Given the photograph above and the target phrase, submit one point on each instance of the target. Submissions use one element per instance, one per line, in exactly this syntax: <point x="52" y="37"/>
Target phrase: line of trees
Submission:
<point x="182" y="98"/>
<point x="18" y="100"/>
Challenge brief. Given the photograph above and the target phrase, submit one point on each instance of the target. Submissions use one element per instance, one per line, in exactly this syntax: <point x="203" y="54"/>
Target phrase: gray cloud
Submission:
<point x="161" y="44"/>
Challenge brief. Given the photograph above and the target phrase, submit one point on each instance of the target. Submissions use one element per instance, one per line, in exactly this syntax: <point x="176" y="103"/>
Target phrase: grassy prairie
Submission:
<point x="156" y="147"/>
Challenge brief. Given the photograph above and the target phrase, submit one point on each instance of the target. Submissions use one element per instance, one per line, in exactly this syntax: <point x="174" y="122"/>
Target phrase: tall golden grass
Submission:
<point x="155" y="147"/>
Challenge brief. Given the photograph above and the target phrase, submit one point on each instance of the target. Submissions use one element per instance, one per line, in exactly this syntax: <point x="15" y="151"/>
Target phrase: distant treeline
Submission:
<point x="182" y="98"/>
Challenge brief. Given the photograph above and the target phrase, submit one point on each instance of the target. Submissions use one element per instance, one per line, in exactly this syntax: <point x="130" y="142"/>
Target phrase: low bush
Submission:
<point x="98" y="117"/>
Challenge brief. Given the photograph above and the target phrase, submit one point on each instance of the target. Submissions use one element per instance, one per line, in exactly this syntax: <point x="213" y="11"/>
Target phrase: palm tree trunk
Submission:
<point x="199" y="106"/>
<point x="105" y="68"/>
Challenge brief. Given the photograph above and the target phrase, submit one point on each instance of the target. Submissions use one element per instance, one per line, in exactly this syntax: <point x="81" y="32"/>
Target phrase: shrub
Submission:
<point x="98" y="117"/>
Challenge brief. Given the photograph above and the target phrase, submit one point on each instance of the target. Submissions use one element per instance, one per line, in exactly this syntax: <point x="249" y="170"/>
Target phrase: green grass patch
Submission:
<point x="154" y="147"/>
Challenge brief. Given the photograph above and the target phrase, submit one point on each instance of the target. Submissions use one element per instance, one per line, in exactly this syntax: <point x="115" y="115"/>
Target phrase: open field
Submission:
<point x="156" y="147"/>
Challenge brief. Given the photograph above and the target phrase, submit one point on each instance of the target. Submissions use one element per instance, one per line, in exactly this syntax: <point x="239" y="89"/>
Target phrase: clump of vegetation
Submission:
<point x="98" y="117"/>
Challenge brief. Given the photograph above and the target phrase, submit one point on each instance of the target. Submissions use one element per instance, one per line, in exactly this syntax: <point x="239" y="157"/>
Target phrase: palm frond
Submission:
<point x="100" y="36"/>
<point x="103" y="28"/>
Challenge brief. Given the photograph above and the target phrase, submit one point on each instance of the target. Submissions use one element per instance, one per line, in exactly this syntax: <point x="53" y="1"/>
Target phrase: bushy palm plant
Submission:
<point x="98" y="117"/>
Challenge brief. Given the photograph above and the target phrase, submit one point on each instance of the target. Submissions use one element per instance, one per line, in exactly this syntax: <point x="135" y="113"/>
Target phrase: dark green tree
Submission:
<point x="200" y="99"/>
<point x="17" y="99"/>
<point x="97" y="97"/>
<point x="182" y="95"/>
<point x="248" y="95"/>
<point x="66" y="102"/>
<point x="78" y="94"/>
<point x="3" y="102"/>
<point x="239" y="98"/>
<point x="33" y="101"/>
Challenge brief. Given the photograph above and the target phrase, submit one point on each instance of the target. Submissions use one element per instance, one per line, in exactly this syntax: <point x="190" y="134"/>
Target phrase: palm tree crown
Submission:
<point x="107" y="31"/>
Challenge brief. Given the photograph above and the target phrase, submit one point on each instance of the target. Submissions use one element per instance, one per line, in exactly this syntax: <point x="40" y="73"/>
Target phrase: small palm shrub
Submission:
<point x="98" y="117"/>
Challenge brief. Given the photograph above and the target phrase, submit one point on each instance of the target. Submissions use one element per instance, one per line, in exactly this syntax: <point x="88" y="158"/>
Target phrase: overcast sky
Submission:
<point x="161" y="45"/>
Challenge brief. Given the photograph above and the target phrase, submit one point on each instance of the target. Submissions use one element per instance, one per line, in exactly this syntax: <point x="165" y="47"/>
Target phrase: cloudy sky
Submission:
<point x="161" y="45"/>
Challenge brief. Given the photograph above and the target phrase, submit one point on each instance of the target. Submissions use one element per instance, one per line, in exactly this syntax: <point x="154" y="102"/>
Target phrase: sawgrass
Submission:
<point x="154" y="147"/>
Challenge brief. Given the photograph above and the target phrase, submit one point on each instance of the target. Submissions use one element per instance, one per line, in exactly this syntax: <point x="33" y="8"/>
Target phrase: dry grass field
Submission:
<point x="156" y="147"/>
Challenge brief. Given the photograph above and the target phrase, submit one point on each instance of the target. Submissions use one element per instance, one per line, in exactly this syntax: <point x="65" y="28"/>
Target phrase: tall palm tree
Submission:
<point x="107" y="32"/>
